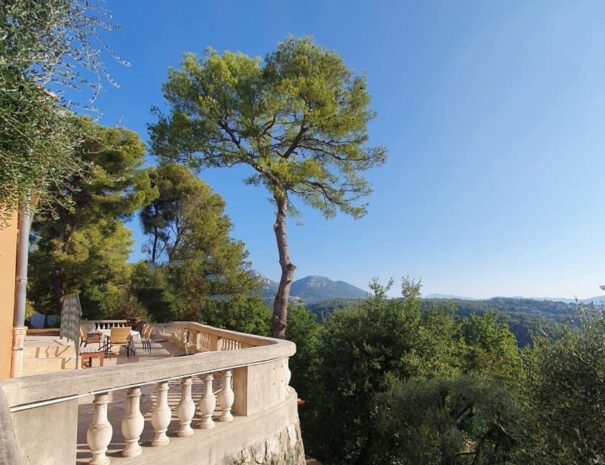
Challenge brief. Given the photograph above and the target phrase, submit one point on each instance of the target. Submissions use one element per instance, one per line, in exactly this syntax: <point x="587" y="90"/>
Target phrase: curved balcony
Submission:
<point x="229" y="400"/>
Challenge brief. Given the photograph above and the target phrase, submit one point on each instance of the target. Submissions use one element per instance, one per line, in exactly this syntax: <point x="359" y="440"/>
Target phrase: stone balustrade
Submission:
<point x="241" y="375"/>
<point x="92" y="325"/>
<point x="193" y="337"/>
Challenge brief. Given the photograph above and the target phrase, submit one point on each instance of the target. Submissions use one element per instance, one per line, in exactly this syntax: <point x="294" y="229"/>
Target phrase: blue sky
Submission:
<point x="493" y="114"/>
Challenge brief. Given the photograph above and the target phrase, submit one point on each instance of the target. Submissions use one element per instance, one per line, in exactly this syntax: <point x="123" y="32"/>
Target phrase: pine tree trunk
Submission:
<point x="58" y="288"/>
<point x="154" y="249"/>
<point x="280" y="304"/>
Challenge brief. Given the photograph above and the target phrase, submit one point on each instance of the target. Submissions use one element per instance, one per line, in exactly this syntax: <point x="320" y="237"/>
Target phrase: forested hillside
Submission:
<point x="431" y="382"/>
<point x="524" y="317"/>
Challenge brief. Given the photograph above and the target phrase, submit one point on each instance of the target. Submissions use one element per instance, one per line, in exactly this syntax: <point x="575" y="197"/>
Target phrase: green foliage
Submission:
<point x="298" y="119"/>
<point x="463" y="420"/>
<point x="525" y="318"/>
<point x="44" y="44"/>
<point x="400" y="381"/>
<point x="358" y="348"/>
<point x="84" y="248"/>
<point x="490" y="348"/>
<point x="195" y="271"/>
<point x="36" y="145"/>
<point x="247" y="315"/>
<point x="303" y="330"/>
<point x="565" y="396"/>
<point x="378" y="352"/>
<point x="187" y="221"/>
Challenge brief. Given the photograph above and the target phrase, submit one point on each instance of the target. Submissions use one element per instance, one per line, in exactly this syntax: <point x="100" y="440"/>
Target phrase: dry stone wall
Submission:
<point x="284" y="448"/>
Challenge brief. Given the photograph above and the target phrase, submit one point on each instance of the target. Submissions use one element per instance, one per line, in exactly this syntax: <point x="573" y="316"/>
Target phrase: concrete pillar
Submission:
<point x="17" y="350"/>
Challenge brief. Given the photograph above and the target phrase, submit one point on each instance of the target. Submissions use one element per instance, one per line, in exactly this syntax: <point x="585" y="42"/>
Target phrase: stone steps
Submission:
<point x="34" y="366"/>
<point x="45" y="354"/>
<point x="49" y="351"/>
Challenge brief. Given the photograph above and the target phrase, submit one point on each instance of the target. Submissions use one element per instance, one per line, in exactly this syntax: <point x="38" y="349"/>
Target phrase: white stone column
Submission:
<point x="99" y="432"/>
<point x="133" y="423"/>
<point x="226" y="397"/>
<point x="161" y="415"/>
<point x="186" y="408"/>
<point x="207" y="404"/>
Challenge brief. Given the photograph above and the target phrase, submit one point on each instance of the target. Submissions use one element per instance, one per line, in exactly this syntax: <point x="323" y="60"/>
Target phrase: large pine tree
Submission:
<point x="84" y="248"/>
<point x="194" y="269"/>
<point x="298" y="120"/>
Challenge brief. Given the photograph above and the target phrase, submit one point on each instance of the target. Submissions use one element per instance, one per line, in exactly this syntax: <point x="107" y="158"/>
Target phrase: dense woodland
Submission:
<point x="525" y="318"/>
<point x="397" y="381"/>
<point x="385" y="381"/>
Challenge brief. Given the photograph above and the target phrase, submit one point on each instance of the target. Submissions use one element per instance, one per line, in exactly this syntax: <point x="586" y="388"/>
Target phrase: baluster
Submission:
<point x="186" y="408"/>
<point x="98" y="435"/>
<point x="133" y="423"/>
<point x="226" y="397"/>
<point x="161" y="415"/>
<point x="207" y="404"/>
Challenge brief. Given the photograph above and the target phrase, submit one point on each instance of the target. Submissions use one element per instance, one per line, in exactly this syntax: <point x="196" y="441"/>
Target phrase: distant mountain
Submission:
<point x="597" y="300"/>
<point x="268" y="287"/>
<point x="311" y="289"/>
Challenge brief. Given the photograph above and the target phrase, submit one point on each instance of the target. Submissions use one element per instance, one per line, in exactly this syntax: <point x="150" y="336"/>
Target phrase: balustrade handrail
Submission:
<point x="249" y="339"/>
<point x="32" y="391"/>
<point x="105" y="324"/>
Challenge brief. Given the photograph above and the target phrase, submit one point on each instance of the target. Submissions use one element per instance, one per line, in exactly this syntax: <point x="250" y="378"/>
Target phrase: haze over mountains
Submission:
<point x="524" y="316"/>
<point x="597" y="300"/>
<point x="315" y="289"/>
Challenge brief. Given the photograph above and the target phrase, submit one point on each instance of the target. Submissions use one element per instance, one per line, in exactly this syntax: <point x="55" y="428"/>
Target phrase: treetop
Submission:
<point x="298" y="118"/>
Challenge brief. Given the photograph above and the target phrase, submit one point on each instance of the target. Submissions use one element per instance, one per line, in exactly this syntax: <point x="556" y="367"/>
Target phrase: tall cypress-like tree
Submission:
<point x="298" y="119"/>
<point x="84" y="248"/>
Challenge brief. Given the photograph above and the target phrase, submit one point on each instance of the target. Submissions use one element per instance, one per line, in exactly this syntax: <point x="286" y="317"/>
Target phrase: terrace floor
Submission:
<point x="45" y="354"/>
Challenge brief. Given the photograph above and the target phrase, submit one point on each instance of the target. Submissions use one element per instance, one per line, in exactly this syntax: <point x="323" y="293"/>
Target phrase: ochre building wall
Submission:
<point x="8" y="257"/>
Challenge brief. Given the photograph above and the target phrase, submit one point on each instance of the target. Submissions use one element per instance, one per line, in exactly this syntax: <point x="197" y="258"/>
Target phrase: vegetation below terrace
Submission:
<point x="397" y="381"/>
<point x="524" y="317"/>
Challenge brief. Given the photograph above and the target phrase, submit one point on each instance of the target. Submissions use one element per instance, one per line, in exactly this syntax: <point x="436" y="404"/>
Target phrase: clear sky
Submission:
<point x="493" y="114"/>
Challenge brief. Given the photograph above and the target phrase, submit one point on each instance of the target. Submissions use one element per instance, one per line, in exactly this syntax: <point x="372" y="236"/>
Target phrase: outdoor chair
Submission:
<point x="86" y="338"/>
<point x="121" y="337"/>
<point x="146" y="337"/>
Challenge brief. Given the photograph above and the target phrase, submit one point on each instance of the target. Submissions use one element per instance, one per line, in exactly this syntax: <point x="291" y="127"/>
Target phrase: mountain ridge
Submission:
<point x="311" y="289"/>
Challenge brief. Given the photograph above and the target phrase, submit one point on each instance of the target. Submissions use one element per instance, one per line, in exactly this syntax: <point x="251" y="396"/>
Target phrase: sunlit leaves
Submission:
<point x="298" y="118"/>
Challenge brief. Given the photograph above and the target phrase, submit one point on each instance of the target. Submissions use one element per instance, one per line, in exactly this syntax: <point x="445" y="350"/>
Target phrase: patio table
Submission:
<point x="135" y="336"/>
